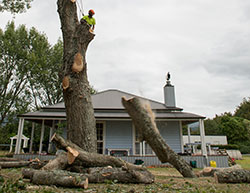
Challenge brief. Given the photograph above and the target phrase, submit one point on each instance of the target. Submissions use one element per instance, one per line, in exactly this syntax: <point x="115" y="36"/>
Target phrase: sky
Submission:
<point x="205" y="45"/>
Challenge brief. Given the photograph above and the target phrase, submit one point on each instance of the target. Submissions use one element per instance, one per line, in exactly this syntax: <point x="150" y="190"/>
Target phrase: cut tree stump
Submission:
<point x="143" y="120"/>
<point x="14" y="164"/>
<point x="233" y="176"/>
<point x="59" y="178"/>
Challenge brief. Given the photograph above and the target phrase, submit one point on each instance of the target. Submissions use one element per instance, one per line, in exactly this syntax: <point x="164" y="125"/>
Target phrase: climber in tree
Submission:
<point x="90" y="19"/>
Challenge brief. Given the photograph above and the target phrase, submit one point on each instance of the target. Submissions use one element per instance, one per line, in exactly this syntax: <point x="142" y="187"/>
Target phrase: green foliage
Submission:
<point x="235" y="126"/>
<point x="15" y="6"/>
<point x="29" y="79"/>
<point x="234" y="129"/>
<point x="243" y="110"/>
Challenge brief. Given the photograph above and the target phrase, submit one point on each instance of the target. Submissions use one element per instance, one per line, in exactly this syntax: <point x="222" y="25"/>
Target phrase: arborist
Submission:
<point x="90" y="19"/>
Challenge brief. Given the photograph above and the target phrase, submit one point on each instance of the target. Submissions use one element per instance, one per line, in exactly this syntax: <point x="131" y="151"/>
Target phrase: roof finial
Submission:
<point x="168" y="79"/>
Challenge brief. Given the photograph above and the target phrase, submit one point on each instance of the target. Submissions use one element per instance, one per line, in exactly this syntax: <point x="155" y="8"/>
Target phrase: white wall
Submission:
<point x="213" y="139"/>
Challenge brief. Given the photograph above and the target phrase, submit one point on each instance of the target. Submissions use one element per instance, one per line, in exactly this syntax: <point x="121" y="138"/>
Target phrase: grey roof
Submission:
<point x="111" y="99"/>
<point x="107" y="105"/>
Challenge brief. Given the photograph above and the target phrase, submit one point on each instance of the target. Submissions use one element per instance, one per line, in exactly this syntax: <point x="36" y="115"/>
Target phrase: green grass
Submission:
<point x="245" y="162"/>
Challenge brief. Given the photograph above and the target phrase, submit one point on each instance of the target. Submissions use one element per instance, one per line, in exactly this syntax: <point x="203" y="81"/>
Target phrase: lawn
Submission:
<point x="245" y="162"/>
<point x="167" y="180"/>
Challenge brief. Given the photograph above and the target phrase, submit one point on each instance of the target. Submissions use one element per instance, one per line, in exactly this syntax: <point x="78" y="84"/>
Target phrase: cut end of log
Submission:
<point x="78" y="63"/>
<point x="65" y="83"/>
<point x="71" y="155"/>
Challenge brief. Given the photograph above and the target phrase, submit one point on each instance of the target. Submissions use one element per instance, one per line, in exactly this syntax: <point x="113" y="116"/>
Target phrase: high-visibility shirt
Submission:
<point x="90" y="21"/>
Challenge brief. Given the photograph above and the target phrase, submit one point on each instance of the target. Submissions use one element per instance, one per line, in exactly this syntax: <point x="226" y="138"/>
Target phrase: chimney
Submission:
<point x="169" y="94"/>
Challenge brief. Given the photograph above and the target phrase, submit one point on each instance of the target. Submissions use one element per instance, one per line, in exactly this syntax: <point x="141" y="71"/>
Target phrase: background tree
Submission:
<point x="243" y="110"/>
<point x="15" y="6"/>
<point x="29" y="68"/>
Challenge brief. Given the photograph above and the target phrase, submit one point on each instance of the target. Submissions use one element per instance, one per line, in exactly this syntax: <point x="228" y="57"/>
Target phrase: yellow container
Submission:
<point x="213" y="163"/>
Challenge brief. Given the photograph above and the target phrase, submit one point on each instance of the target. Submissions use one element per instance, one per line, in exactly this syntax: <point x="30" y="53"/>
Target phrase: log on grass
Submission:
<point x="233" y="176"/>
<point x="13" y="164"/>
<point x="86" y="159"/>
<point x="8" y="159"/>
<point x="121" y="175"/>
<point x="210" y="171"/>
<point x="144" y="121"/>
<point x="59" y="178"/>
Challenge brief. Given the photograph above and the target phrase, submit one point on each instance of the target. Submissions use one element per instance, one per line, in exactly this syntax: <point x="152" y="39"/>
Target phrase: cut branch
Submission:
<point x="14" y="164"/>
<point x="138" y="174"/>
<point x="143" y="120"/>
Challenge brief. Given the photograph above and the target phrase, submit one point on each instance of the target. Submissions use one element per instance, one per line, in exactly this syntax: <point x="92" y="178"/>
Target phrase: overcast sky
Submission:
<point x="205" y="45"/>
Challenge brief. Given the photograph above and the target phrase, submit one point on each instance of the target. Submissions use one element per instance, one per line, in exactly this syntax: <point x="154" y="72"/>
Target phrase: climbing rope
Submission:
<point x="80" y="6"/>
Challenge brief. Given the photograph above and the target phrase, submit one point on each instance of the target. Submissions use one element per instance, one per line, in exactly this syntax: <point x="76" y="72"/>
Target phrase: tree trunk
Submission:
<point x="14" y="164"/>
<point x="79" y="109"/>
<point x="143" y="120"/>
<point x="59" y="178"/>
<point x="233" y="176"/>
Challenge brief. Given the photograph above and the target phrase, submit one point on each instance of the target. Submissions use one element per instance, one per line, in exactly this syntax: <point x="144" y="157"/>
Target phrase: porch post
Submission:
<point x="202" y="135"/>
<point x="11" y="144"/>
<point x="143" y="148"/>
<point x="19" y="136"/>
<point x="189" y="135"/>
<point x="50" y="135"/>
<point x="31" y="137"/>
<point x="181" y="137"/>
<point x="41" y="138"/>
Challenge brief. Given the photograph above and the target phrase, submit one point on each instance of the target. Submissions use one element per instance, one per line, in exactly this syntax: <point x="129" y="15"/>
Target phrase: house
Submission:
<point x="115" y="132"/>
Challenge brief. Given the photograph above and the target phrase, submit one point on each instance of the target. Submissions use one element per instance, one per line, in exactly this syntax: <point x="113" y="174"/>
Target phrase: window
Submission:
<point x="142" y="148"/>
<point x="100" y="137"/>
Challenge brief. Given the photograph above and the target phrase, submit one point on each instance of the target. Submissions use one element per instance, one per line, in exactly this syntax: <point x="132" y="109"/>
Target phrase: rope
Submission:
<point x="80" y="7"/>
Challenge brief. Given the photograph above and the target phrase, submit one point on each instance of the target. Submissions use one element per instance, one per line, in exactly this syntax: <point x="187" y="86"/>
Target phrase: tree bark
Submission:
<point x="210" y="171"/>
<point x="87" y="160"/>
<point x="143" y="120"/>
<point x="232" y="176"/>
<point x="59" y="178"/>
<point x="59" y="163"/>
<point x="8" y="159"/>
<point x="14" y="164"/>
<point x="79" y="109"/>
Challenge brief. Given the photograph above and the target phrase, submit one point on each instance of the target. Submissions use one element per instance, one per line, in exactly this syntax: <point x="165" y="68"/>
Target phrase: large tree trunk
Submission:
<point x="143" y="120"/>
<point x="79" y="110"/>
